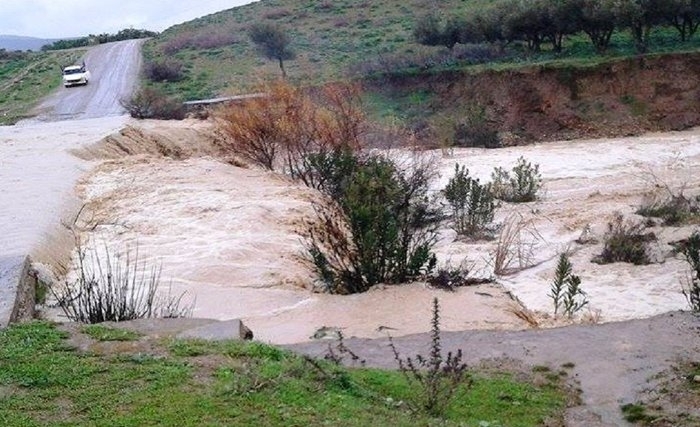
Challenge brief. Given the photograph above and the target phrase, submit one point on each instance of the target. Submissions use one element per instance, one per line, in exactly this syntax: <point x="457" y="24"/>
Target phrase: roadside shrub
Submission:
<point x="471" y="203"/>
<point x="376" y="225"/>
<point x="566" y="292"/>
<point x="691" y="289"/>
<point x="625" y="241"/>
<point x="436" y="377"/>
<point x="167" y="70"/>
<point x="115" y="289"/>
<point x="519" y="187"/>
<point x="290" y="131"/>
<point x="149" y="103"/>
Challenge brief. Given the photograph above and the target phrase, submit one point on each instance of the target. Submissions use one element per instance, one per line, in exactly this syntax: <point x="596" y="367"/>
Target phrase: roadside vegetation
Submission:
<point x="46" y="381"/>
<point x="27" y="77"/>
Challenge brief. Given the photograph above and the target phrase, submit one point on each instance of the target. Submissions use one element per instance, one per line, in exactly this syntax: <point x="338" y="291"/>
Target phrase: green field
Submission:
<point x="123" y="379"/>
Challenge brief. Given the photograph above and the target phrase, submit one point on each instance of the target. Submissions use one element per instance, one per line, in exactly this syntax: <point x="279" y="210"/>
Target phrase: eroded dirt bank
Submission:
<point x="547" y="103"/>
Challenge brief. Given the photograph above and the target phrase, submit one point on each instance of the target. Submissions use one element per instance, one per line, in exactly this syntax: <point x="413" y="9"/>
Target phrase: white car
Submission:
<point x="75" y="75"/>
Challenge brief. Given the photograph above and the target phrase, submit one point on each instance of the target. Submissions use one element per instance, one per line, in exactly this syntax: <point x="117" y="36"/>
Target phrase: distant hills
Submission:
<point x="8" y="42"/>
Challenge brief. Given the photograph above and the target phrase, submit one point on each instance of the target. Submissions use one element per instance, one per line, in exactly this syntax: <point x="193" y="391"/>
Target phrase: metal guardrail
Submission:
<point x="205" y="102"/>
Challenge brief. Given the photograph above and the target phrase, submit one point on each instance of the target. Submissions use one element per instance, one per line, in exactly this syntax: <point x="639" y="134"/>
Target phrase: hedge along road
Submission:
<point x="37" y="172"/>
<point x="114" y="68"/>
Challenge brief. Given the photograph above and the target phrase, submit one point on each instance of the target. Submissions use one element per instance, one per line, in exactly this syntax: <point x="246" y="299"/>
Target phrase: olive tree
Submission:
<point x="272" y="41"/>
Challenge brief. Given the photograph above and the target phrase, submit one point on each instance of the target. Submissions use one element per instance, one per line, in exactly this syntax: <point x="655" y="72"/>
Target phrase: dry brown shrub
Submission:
<point x="280" y="131"/>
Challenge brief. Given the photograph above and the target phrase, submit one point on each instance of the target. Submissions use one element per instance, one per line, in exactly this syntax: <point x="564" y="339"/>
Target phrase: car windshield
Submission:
<point x="72" y="70"/>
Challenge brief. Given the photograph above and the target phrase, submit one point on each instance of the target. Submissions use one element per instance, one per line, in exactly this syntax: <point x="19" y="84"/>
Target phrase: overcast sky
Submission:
<point x="73" y="18"/>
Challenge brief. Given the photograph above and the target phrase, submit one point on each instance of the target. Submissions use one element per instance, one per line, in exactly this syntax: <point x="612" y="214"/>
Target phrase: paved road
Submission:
<point x="114" y="68"/>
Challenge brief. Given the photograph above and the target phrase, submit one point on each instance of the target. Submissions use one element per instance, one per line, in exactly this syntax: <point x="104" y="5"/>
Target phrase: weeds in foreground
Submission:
<point x="105" y="333"/>
<point x="436" y="377"/>
<point x="566" y="292"/>
<point x="115" y="288"/>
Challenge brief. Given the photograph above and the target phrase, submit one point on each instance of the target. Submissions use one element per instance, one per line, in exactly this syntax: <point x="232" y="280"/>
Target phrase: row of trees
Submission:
<point x="536" y="22"/>
<point x="126" y="34"/>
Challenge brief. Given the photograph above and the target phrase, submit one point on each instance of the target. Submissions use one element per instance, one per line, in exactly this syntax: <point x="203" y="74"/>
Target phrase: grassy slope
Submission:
<point x="328" y="36"/>
<point x="24" y="82"/>
<point x="143" y="381"/>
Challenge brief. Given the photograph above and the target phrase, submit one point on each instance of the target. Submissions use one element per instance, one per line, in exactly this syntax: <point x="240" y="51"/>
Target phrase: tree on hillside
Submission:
<point x="683" y="15"/>
<point x="639" y="16"/>
<point x="596" y="18"/>
<point x="561" y="20"/>
<point x="431" y="31"/>
<point x="272" y="42"/>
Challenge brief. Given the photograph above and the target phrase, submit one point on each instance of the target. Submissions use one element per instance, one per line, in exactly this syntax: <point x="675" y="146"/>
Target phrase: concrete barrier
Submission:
<point x="17" y="290"/>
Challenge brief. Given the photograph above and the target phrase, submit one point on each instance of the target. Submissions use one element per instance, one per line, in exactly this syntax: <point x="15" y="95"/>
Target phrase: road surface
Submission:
<point x="114" y="68"/>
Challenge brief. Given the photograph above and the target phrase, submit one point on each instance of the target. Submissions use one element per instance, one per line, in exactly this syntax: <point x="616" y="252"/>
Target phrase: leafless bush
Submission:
<point x="284" y="130"/>
<point x="515" y="246"/>
<point x="166" y="70"/>
<point x="115" y="288"/>
<point x="148" y="103"/>
<point x="208" y="40"/>
<point x="448" y="277"/>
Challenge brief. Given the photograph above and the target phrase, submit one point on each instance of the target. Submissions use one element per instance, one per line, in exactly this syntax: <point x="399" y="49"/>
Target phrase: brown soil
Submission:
<point x="539" y="103"/>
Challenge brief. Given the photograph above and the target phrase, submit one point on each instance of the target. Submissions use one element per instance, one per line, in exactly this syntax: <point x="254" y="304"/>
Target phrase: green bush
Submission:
<point x="519" y="187"/>
<point x="471" y="203"/>
<point x="625" y="242"/>
<point x="566" y="292"/>
<point x="376" y="226"/>
<point x="673" y="210"/>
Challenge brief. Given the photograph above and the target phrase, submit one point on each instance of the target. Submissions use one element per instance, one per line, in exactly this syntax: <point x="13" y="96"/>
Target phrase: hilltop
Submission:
<point x="9" y="42"/>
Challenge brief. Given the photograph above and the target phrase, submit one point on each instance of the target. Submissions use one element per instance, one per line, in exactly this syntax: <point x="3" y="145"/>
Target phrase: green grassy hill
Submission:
<point x="329" y="37"/>
<point x="337" y="39"/>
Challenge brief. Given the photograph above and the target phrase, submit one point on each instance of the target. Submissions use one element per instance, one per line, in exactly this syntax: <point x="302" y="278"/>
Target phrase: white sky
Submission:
<point x="74" y="18"/>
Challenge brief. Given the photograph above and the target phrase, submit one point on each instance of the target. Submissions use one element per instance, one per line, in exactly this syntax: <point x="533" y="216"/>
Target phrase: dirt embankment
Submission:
<point x="539" y="103"/>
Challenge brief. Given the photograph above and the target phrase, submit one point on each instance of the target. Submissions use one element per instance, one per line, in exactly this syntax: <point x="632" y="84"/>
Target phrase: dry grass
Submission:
<point x="515" y="246"/>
